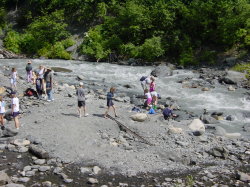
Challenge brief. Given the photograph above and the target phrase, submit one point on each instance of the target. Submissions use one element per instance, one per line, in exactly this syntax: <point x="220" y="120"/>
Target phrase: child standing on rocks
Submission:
<point x="39" y="86"/>
<point x="148" y="97"/>
<point x="13" y="78"/>
<point x="81" y="100"/>
<point x="110" y="103"/>
<point x="2" y="112"/>
<point x="15" y="109"/>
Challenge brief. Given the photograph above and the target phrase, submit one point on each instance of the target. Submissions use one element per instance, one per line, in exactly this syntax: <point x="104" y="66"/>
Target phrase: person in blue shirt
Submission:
<point x="168" y="112"/>
<point x="110" y="103"/>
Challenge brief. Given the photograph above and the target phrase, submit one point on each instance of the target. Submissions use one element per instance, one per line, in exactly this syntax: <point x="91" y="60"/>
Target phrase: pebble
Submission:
<point x="47" y="184"/>
<point x="96" y="170"/>
<point x="57" y="170"/>
<point x="27" y="168"/>
<point x="23" y="149"/>
<point x="24" y="179"/>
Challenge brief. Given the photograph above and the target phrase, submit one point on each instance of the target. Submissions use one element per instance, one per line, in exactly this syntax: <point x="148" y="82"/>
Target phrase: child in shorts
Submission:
<point x="110" y="103"/>
<point x="2" y="112"/>
<point x="15" y="109"/>
<point x="13" y="78"/>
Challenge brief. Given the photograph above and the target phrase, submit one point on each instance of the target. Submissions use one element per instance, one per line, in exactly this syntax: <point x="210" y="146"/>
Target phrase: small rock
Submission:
<point x="174" y="130"/>
<point x="39" y="161"/>
<point x="68" y="180"/>
<point x="229" y="118"/>
<point x="20" y="142"/>
<point x="85" y="170"/>
<point x="96" y="170"/>
<point x="38" y="151"/>
<point x="47" y="184"/>
<point x="44" y="168"/>
<point x="102" y="97"/>
<point x="23" y="149"/>
<point x="205" y="89"/>
<point x="231" y="88"/>
<point x="57" y="170"/>
<point x="123" y="184"/>
<point x="27" y="168"/>
<point x="140" y="117"/>
<point x="24" y="179"/>
<point x="80" y="77"/>
<point x="30" y="173"/>
<point x="4" y="178"/>
<point x="9" y="132"/>
<point x="220" y="152"/>
<point x="93" y="181"/>
<point x="243" y="176"/>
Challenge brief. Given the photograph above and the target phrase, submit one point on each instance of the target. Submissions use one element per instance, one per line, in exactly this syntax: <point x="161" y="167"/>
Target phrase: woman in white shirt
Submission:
<point x="15" y="109"/>
<point x="13" y="78"/>
<point x="2" y="112"/>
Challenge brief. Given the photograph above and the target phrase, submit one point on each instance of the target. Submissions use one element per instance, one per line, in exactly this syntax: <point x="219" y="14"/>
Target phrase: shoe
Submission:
<point x="86" y="115"/>
<point x="2" y="127"/>
<point x="49" y="100"/>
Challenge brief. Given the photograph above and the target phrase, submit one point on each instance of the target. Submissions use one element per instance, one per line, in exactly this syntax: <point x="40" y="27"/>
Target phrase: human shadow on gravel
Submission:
<point x="99" y="115"/>
<point x="70" y="114"/>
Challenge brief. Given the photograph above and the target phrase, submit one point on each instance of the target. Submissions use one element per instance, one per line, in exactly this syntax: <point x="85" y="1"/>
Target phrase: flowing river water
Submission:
<point x="194" y="100"/>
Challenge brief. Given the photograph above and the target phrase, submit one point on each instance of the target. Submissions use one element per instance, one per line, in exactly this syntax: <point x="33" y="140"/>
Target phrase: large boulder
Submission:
<point x="174" y="130"/>
<point x="197" y="127"/>
<point x="207" y="119"/>
<point x="162" y="71"/>
<point x="140" y="117"/>
<point x="233" y="77"/>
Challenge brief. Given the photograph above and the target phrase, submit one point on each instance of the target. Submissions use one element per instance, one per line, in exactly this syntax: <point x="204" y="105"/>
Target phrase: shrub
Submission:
<point x="129" y="50"/>
<point x="151" y="49"/>
<point x="12" y="41"/>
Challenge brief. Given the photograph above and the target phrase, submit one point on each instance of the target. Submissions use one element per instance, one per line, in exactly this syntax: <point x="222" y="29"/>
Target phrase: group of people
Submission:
<point x="43" y="80"/>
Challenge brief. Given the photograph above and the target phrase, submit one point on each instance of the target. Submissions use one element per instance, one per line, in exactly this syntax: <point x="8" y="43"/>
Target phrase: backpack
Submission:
<point x="28" y="68"/>
<point x="143" y="78"/>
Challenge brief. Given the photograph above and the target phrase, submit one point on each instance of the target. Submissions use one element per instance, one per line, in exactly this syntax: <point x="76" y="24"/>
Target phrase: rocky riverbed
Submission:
<point x="56" y="148"/>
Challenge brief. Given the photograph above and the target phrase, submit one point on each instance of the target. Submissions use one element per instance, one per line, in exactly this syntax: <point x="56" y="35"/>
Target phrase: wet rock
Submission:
<point x="208" y="119"/>
<point x="230" y="118"/>
<point x="39" y="161"/>
<point x="4" y="178"/>
<point x="231" y="88"/>
<point x="9" y="132"/>
<point x="243" y="176"/>
<point x="246" y="128"/>
<point x="162" y="71"/>
<point x="39" y="152"/>
<point x="93" y="181"/>
<point x="197" y="127"/>
<point x="205" y="89"/>
<point x="80" y="77"/>
<point x="140" y="117"/>
<point x="21" y="142"/>
<point x="220" y="152"/>
<point x="96" y="170"/>
<point x="218" y="117"/>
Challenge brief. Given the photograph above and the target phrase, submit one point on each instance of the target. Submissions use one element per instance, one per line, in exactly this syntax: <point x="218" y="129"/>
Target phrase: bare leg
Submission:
<point x="106" y="113"/>
<point x="79" y="111"/>
<point x="16" y="122"/>
<point x="114" y="111"/>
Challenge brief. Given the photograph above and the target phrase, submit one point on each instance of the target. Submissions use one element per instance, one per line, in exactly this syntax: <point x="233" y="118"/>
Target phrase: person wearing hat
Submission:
<point x="48" y="78"/>
<point x="81" y="100"/>
<point x="29" y="71"/>
<point x="15" y="109"/>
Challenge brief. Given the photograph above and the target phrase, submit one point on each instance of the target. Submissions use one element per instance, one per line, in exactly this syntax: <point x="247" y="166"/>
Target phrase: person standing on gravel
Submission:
<point x="48" y="77"/>
<point x="2" y="112"/>
<point x="110" y="103"/>
<point x="15" y="109"/>
<point x="81" y="100"/>
<point x="13" y="78"/>
<point x="41" y="72"/>
<point x="29" y="71"/>
<point x="145" y="80"/>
